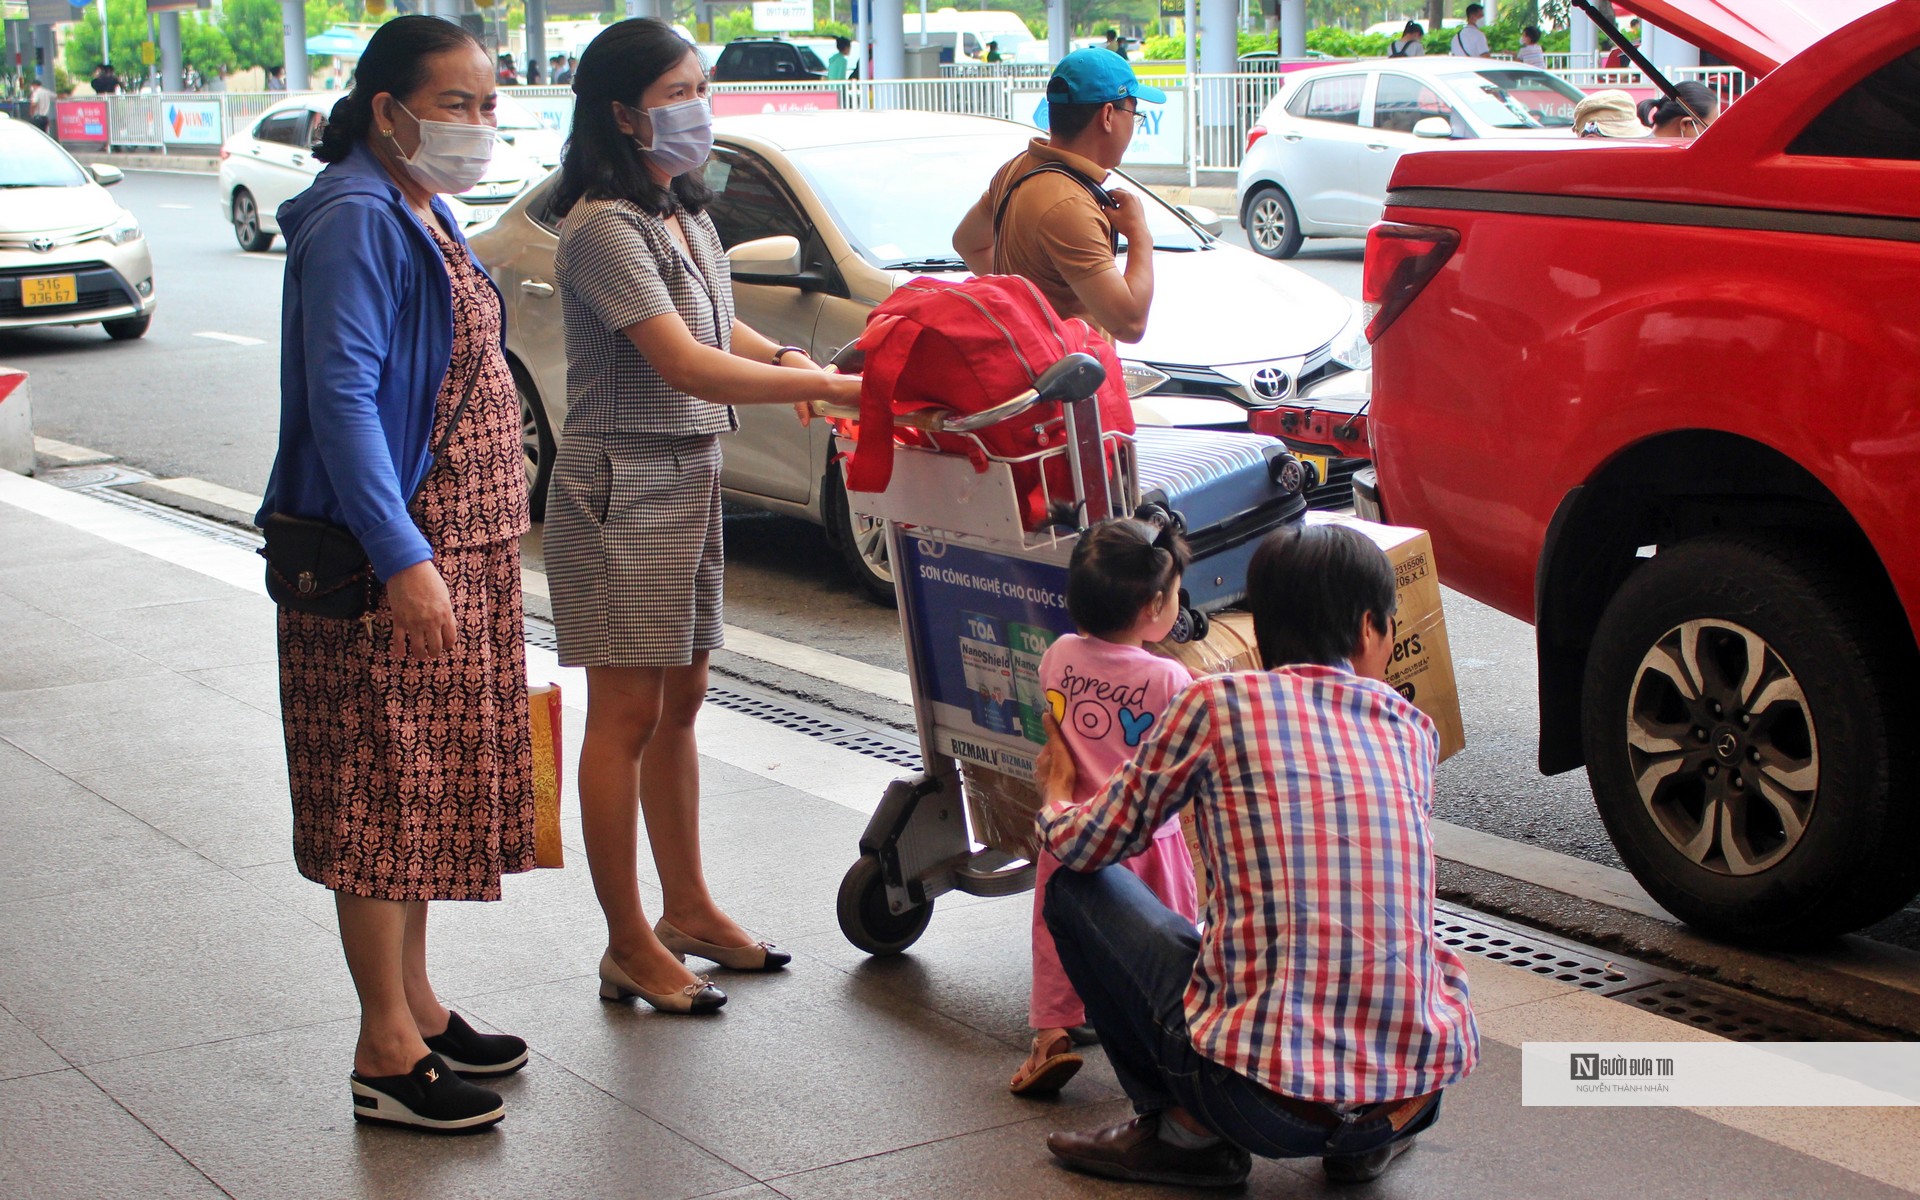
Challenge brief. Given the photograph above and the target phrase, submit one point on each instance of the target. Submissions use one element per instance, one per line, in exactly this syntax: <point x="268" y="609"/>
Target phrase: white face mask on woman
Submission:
<point x="452" y="155"/>
<point x="682" y="136"/>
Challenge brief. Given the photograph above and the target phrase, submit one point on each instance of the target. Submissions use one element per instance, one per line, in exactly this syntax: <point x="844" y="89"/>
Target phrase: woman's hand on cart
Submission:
<point x="845" y="390"/>
<point x="1053" y="770"/>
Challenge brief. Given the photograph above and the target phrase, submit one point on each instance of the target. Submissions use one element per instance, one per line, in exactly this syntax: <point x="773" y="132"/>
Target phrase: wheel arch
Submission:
<point x="1662" y="490"/>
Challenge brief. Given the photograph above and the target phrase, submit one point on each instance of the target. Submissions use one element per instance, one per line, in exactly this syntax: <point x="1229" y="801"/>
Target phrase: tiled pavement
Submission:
<point x="175" y="1018"/>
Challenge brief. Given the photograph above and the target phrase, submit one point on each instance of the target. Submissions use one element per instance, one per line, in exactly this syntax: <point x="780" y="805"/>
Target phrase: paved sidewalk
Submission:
<point x="175" y="1018"/>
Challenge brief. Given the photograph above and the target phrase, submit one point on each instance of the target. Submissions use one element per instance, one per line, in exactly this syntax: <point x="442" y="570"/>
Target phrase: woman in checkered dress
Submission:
<point x="655" y="359"/>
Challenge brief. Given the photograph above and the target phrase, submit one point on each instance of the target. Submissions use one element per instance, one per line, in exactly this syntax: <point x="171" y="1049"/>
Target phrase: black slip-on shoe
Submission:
<point x="1133" y="1151"/>
<point x="1365" y="1168"/>
<point x="432" y="1097"/>
<point x="477" y="1054"/>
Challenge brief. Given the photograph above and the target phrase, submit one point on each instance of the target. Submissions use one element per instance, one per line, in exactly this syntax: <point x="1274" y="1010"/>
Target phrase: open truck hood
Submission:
<point x="1754" y="35"/>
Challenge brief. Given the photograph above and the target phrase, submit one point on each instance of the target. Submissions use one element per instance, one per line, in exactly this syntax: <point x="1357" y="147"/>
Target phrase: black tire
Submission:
<point x="862" y="544"/>
<point x="536" y="443"/>
<point x="1272" y="225"/>
<point x="126" y="329"/>
<point x="1752" y="688"/>
<point x="244" y="211"/>
<point x="865" y="918"/>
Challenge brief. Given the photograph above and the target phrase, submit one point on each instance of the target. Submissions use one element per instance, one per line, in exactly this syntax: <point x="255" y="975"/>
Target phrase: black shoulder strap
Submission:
<point x="453" y="423"/>
<point x="1098" y="193"/>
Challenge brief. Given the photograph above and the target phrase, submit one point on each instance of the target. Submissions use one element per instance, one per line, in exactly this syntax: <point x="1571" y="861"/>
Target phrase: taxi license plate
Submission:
<point x="1319" y="463"/>
<point x="49" y="289"/>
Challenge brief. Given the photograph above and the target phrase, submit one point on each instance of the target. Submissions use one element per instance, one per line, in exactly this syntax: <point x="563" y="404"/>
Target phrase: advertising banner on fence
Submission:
<point x="985" y="620"/>
<point x="81" y="121"/>
<point x="741" y="104"/>
<point x="191" y="123"/>
<point x="1160" y="141"/>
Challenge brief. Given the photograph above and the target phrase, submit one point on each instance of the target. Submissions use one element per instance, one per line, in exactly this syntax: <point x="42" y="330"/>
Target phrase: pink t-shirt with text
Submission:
<point x="1107" y="698"/>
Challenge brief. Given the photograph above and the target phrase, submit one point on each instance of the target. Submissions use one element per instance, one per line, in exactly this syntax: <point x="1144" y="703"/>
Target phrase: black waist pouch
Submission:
<point x="318" y="568"/>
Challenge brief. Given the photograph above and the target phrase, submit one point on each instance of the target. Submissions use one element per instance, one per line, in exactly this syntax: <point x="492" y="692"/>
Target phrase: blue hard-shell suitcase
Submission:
<point x="1226" y="491"/>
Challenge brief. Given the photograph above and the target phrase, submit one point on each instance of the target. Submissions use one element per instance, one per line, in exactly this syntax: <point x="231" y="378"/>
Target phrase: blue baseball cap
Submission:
<point x="1094" y="76"/>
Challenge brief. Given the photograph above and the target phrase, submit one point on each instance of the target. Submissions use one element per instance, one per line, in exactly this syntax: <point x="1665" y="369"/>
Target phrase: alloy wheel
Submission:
<point x="870" y="543"/>
<point x="246" y="218"/>
<point x="1722" y="747"/>
<point x="1268" y="223"/>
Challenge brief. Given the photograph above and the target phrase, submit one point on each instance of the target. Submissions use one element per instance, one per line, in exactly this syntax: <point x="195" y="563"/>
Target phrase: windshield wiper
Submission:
<point x="926" y="264"/>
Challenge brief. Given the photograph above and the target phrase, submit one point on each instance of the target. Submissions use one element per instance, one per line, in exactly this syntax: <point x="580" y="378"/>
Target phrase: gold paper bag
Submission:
<point x="543" y="704"/>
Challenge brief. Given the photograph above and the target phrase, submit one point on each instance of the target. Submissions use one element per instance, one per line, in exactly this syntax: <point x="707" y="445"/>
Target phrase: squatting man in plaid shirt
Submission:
<point x="1316" y="1015"/>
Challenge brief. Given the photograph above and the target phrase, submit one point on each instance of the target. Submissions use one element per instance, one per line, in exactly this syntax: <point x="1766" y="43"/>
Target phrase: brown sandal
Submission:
<point x="1048" y="1067"/>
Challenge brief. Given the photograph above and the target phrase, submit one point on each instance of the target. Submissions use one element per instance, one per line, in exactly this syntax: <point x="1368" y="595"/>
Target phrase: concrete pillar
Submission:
<point x="1584" y="40"/>
<point x="1059" y="29"/>
<point x="293" y="33"/>
<point x="1219" y="36"/>
<point x="1293" y="28"/>
<point x="536" y="38"/>
<point x="171" y="73"/>
<point x="43" y="43"/>
<point x="1665" y="49"/>
<point x="889" y="40"/>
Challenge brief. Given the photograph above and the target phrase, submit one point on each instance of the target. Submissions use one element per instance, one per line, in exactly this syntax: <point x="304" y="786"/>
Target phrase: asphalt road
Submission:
<point x="180" y="402"/>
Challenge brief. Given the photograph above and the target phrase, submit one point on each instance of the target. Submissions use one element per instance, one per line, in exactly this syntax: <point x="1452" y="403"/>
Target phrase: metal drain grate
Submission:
<point x="212" y="530"/>
<point x="1527" y="950"/>
<point x="539" y="633"/>
<point x="1736" y="1015"/>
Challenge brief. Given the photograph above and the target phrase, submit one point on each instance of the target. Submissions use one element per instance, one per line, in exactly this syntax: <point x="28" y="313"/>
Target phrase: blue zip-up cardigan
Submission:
<point x="365" y="339"/>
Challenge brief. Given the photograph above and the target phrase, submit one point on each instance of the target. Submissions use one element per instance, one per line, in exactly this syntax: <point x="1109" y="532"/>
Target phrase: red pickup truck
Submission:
<point x="1662" y="399"/>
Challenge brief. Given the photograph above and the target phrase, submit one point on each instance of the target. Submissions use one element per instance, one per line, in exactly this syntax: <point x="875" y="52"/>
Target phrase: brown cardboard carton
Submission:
<point x="1422" y="666"/>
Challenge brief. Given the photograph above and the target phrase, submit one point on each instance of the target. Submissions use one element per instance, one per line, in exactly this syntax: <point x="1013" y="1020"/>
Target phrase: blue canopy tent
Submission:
<point x="338" y="42"/>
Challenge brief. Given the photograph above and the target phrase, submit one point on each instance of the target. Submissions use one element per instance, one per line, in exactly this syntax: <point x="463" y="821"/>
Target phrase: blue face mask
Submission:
<point x="682" y="136"/>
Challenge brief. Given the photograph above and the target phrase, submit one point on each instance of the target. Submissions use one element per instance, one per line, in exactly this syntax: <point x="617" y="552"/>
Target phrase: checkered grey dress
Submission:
<point x="634" y="551"/>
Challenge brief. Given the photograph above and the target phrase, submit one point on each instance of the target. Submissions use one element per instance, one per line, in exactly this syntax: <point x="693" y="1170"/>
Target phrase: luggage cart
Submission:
<point x="980" y="597"/>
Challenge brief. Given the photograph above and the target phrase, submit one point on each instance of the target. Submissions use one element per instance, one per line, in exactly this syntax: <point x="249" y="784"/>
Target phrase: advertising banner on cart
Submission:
<point x="192" y="123"/>
<point x="983" y="622"/>
<point x="81" y="121"/>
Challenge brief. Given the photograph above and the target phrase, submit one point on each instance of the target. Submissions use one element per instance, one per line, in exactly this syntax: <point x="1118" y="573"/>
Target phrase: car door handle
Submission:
<point x="1291" y="137"/>
<point x="535" y="287"/>
<point x="299" y="160"/>
<point x="1375" y="146"/>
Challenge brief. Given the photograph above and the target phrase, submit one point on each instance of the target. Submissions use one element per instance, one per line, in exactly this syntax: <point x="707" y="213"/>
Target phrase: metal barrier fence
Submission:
<point x="1203" y="126"/>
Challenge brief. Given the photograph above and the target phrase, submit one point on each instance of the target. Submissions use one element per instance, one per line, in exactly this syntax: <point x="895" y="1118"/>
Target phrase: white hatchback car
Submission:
<point x="1318" y="161"/>
<point x="270" y="163"/>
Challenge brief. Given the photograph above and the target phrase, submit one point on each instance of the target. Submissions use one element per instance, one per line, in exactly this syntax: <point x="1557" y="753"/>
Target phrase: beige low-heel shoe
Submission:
<point x="695" y="999"/>
<point x="761" y="956"/>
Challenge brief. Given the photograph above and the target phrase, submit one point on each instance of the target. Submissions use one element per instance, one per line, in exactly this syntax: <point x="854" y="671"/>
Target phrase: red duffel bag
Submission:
<point x="968" y="346"/>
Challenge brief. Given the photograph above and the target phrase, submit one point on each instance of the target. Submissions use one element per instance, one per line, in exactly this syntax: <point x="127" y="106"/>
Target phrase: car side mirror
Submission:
<point x="106" y="175"/>
<point x="1433" y="127"/>
<point x="1205" y="218"/>
<point x="775" y="261"/>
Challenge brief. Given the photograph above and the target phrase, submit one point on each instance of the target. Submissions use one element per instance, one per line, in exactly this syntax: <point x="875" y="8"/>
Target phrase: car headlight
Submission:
<point x="1141" y="378"/>
<point x="1351" y="349"/>
<point x="122" y="231"/>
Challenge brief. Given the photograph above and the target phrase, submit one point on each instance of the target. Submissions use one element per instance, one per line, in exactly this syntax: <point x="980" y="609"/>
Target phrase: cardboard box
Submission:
<point x="1422" y="666"/>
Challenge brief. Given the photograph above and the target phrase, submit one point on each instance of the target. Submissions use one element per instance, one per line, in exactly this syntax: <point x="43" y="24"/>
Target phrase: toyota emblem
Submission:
<point x="41" y="245"/>
<point x="1270" y="383"/>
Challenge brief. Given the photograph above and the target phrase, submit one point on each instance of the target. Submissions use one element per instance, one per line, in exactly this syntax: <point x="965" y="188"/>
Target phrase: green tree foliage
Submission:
<point x="253" y="30"/>
<point x="204" y="47"/>
<point x="126" y="31"/>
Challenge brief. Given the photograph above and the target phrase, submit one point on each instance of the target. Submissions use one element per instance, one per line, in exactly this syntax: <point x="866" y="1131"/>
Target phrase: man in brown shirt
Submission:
<point x="1045" y="215"/>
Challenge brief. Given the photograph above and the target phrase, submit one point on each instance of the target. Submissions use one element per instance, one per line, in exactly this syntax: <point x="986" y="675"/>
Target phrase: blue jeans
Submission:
<point x="1130" y="958"/>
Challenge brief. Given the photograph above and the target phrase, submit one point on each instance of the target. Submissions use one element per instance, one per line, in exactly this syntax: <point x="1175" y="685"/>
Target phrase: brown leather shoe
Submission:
<point x="1133" y="1151"/>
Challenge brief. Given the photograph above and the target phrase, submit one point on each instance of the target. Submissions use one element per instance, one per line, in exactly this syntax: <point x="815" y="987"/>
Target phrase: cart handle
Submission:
<point x="1074" y="377"/>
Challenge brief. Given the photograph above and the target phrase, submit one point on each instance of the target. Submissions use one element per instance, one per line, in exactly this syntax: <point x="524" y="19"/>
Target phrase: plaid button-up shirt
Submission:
<point x="1319" y="975"/>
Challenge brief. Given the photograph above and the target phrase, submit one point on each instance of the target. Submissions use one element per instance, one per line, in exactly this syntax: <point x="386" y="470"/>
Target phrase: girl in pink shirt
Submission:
<point x="1106" y="691"/>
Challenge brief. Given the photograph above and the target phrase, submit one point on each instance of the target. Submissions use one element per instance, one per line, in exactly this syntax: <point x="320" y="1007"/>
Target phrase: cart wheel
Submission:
<point x="865" y="917"/>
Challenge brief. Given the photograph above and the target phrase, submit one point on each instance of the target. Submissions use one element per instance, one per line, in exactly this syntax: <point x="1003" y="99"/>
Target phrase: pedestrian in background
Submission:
<point x="1530" y="52"/>
<point x="40" y="106"/>
<point x="1692" y="108"/>
<point x="1410" y="44"/>
<point x="633" y="536"/>
<point x="408" y="748"/>
<point x="993" y="52"/>
<point x="276" y="79"/>
<point x="1609" y="114"/>
<point x="837" y="62"/>
<point x="1469" y="41"/>
<point x="105" y="82"/>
